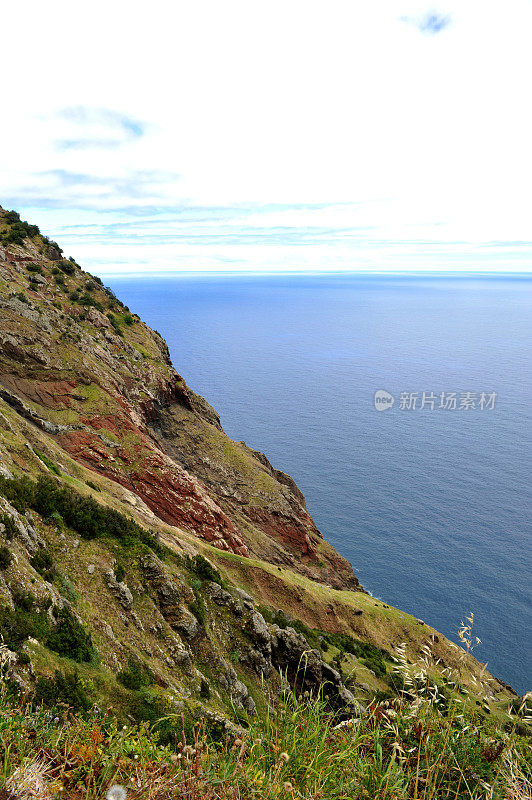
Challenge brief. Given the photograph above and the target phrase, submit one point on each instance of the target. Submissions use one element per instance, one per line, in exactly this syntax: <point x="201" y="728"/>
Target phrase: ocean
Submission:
<point x="428" y="497"/>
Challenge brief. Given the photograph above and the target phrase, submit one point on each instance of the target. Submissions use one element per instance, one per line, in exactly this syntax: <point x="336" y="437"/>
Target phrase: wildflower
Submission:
<point x="284" y="757"/>
<point x="116" y="792"/>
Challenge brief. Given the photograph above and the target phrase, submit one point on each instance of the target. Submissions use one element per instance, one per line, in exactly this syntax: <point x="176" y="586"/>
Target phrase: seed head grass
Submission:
<point x="429" y="742"/>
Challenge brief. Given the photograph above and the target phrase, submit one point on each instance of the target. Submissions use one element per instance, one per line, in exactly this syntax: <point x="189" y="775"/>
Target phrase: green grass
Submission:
<point x="407" y="750"/>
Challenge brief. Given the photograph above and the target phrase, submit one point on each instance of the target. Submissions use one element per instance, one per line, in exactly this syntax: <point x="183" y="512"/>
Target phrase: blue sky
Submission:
<point x="294" y="136"/>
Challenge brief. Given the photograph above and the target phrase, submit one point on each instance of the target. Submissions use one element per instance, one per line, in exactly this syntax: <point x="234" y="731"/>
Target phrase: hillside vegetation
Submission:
<point x="171" y="620"/>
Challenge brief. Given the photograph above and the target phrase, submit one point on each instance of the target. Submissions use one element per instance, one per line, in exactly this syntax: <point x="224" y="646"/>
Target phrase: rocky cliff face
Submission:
<point x="177" y="568"/>
<point x="84" y="369"/>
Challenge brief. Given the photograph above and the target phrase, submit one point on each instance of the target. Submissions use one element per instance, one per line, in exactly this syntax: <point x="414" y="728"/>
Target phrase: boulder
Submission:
<point x="259" y="633"/>
<point x="119" y="589"/>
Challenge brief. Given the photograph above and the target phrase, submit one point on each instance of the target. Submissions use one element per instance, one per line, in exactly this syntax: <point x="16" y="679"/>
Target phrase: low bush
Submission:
<point x="203" y="569"/>
<point x="17" y="230"/>
<point x="68" y="638"/>
<point x="25" y="620"/>
<point x="43" y="562"/>
<point x="198" y="608"/>
<point x="135" y="675"/>
<point x="66" y="266"/>
<point x="64" y="689"/>
<point x="88" y="301"/>
<point x="83" y="514"/>
<point x="6" y="557"/>
<point x="10" y="528"/>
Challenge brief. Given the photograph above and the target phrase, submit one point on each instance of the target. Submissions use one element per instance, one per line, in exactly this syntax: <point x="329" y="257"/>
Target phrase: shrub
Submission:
<point x="135" y="675"/>
<point x="23" y="599"/>
<point x="25" y="620"/>
<point x="198" y="608"/>
<point x="55" y="518"/>
<point x="205" y="690"/>
<point x="10" y="527"/>
<point x="87" y="300"/>
<point x="62" y="689"/>
<point x="6" y="557"/>
<point x="82" y="514"/>
<point x="115" y="324"/>
<point x="43" y="562"/>
<point x="66" y="587"/>
<point x="93" y="486"/>
<point x="70" y="639"/>
<point x="66" y="266"/>
<point x="204" y="569"/>
<point x="17" y="229"/>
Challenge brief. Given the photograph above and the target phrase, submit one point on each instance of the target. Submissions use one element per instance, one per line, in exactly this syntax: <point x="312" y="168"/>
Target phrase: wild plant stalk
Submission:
<point x="413" y="747"/>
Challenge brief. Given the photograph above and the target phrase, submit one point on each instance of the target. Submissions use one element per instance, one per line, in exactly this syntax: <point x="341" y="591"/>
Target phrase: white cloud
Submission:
<point x="324" y="136"/>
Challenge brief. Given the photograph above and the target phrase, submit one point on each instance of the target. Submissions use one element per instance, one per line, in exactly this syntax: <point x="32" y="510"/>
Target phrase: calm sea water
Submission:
<point x="430" y="506"/>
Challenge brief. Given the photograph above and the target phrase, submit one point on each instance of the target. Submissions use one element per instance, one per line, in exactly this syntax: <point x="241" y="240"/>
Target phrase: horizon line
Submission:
<point x="291" y="273"/>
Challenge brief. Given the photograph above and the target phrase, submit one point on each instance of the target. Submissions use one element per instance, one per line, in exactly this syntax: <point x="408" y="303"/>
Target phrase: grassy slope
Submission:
<point x="26" y="449"/>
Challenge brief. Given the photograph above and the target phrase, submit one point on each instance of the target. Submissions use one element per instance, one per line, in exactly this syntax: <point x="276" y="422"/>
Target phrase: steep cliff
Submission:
<point x="137" y="539"/>
<point x="102" y="384"/>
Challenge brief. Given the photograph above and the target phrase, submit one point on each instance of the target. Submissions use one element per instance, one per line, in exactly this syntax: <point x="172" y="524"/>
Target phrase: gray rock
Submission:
<point x="137" y="620"/>
<point x="259" y="632"/>
<point x="291" y="653"/>
<point x="239" y="692"/>
<point x="220" y="596"/>
<point x="183" y="659"/>
<point x="257" y="662"/>
<point x="184" y="622"/>
<point x="4" y="472"/>
<point x="245" y="597"/>
<point x="90" y="569"/>
<point x="108" y="631"/>
<point x="170" y="591"/>
<point x="119" y="589"/>
<point x="249" y="705"/>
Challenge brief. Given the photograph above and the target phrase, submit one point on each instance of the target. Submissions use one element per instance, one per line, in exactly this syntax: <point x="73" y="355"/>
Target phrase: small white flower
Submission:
<point x="116" y="792"/>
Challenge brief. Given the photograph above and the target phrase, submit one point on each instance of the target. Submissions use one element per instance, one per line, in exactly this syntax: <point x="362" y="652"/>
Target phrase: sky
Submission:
<point x="381" y="135"/>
